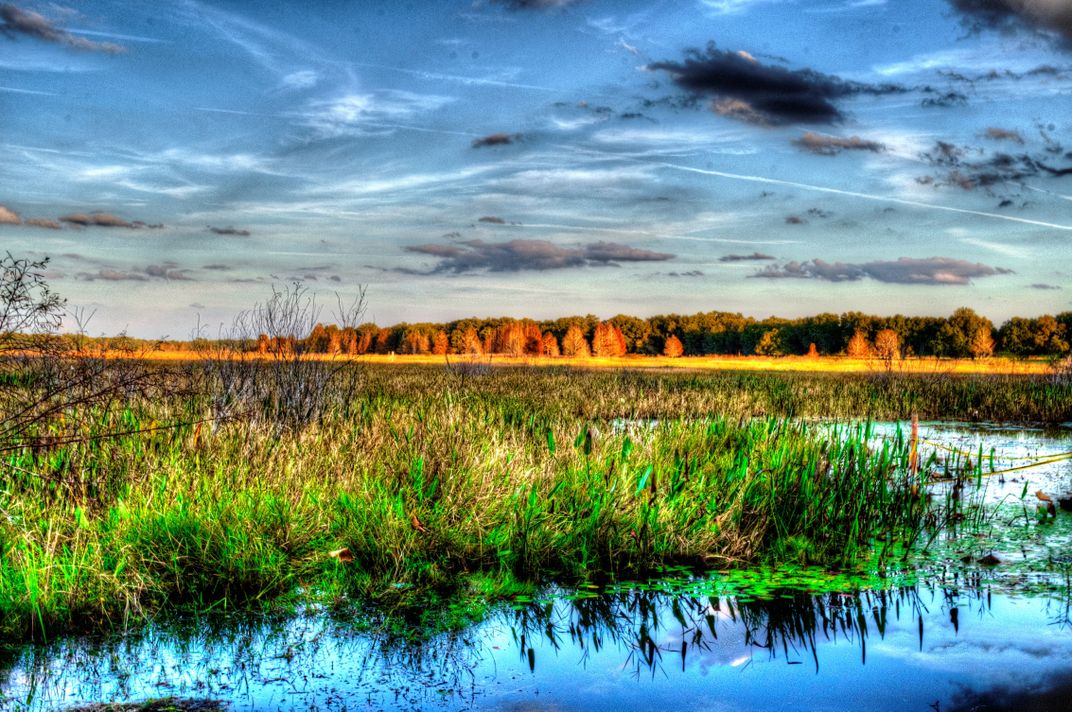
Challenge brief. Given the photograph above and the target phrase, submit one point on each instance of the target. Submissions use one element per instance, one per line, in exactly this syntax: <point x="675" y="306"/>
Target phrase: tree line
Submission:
<point x="962" y="334"/>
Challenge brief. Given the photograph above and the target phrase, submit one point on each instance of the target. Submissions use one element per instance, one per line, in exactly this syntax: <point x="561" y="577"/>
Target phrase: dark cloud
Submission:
<point x="168" y="271"/>
<point x="744" y="88"/>
<point x="1040" y="285"/>
<point x="217" y="267"/>
<point x="754" y="257"/>
<point x="519" y="255"/>
<point x="107" y="220"/>
<point x="945" y="99"/>
<point x="197" y="305"/>
<point x="16" y="21"/>
<point x="1015" y="15"/>
<point x="493" y="219"/>
<point x="608" y="252"/>
<point x="690" y="273"/>
<point x="1043" y="70"/>
<point x="833" y="145"/>
<point x="819" y="213"/>
<point x="229" y="231"/>
<point x="999" y="134"/>
<point x="970" y="167"/>
<point x="496" y="139"/>
<point x="906" y="270"/>
<point x="795" y="220"/>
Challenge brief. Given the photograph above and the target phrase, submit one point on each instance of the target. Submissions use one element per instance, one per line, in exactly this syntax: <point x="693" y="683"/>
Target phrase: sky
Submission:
<point x="540" y="158"/>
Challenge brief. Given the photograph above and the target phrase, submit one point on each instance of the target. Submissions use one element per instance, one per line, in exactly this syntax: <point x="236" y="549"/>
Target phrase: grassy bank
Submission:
<point x="440" y="479"/>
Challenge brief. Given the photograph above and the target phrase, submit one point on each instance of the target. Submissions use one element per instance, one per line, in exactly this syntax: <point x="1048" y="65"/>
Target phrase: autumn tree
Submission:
<point x="608" y="340"/>
<point x="887" y="346"/>
<point x="471" y="343"/>
<point x="672" y="347"/>
<point x="414" y="342"/>
<point x="509" y="339"/>
<point x="317" y="341"/>
<point x="351" y="342"/>
<point x="334" y="345"/>
<point x="533" y="339"/>
<point x="440" y="344"/>
<point x="574" y="345"/>
<point x="383" y="341"/>
<point x="366" y="338"/>
<point x="858" y="346"/>
<point x="982" y="343"/>
<point x="549" y="345"/>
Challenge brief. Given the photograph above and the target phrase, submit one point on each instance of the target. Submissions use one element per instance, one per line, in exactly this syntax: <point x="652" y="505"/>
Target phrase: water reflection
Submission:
<point x="953" y="644"/>
<point x="654" y="629"/>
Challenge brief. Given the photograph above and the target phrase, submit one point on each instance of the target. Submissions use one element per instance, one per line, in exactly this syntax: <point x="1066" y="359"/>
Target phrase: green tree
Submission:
<point x="955" y="337"/>
<point x="770" y="344"/>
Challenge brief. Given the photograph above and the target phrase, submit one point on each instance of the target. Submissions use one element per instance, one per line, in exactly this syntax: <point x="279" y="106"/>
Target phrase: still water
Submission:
<point x="959" y="635"/>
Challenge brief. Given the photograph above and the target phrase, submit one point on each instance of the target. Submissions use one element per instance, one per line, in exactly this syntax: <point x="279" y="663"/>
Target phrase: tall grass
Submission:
<point x="429" y="482"/>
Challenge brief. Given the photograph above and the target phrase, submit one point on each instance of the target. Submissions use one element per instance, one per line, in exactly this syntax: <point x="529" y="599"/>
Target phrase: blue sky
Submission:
<point x="541" y="158"/>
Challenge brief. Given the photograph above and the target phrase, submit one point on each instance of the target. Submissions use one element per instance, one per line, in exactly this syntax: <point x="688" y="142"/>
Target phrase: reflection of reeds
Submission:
<point x="649" y="628"/>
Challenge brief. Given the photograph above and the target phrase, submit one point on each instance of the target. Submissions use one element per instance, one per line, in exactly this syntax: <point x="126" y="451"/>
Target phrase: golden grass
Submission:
<point x="823" y="364"/>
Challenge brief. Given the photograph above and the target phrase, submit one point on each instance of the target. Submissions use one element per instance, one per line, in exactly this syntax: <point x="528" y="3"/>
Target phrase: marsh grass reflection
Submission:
<point x="651" y="628"/>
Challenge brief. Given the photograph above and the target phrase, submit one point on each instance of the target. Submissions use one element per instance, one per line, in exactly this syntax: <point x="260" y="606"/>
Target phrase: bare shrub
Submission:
<point x="468" y="367"/>
<point x="1061" y="370"/>
<point x="263" y="369"/>
<point x="53" y="390"/>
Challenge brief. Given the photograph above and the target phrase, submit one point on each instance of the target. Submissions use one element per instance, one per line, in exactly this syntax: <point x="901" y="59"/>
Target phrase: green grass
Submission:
<point x="488" y="484"/>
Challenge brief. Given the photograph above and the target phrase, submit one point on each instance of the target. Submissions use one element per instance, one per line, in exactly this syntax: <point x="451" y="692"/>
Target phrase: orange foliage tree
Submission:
<point x="471" y="342"/>
<point x="549" y="347"/>
<point x="608" y="340"/>
<point x="858" y="346"/>
<point x="440" y="344"/>
<point x="673" y="347"/>
<point x="574" y="345"/>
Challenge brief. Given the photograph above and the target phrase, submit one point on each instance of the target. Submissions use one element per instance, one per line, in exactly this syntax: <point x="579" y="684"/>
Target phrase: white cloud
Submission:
<point x="303" y="79"/>
<point x="356" y="114"/>
<point x="733" y="7"/>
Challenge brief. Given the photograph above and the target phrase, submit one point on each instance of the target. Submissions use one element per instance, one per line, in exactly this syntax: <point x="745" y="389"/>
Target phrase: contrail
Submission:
<point x="865" y="196"/>
<point x="15" y="90"/>
<point x="461" y="79"/>
<point x="1049" y="192"/>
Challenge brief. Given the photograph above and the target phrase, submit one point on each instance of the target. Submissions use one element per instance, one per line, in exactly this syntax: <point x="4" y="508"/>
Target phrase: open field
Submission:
<point x="488" y="481"/>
